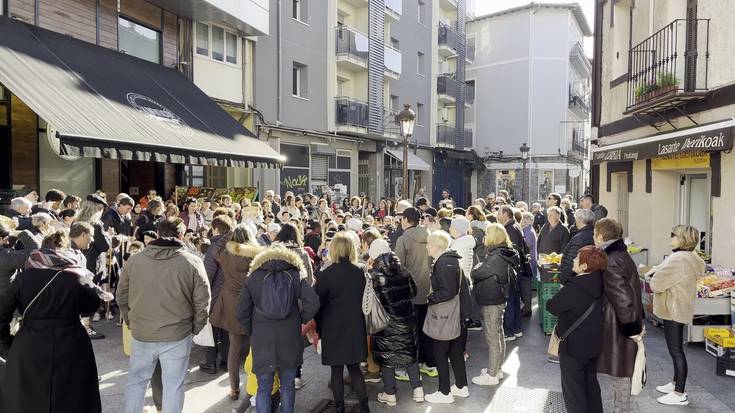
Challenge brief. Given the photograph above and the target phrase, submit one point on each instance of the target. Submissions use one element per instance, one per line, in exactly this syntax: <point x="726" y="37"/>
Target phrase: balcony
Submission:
<point x="448" y="41"/>
<point x="390" y="126"/>
<point x="446" y="89"/>
<point x="393" y="9"/>
<point x="351" y="49"/>
<point x="580" y="146"/>
<point x="445" y="135"/>
<point x="670" y="68"/>
<point x="350" y="114"/>
<point x="578" y="103"/>
<point x="392" y="61"/>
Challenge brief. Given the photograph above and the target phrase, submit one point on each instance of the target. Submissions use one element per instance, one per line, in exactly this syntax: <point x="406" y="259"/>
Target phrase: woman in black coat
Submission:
<point x="395" y="347"/>
<point x="51" y="366"/>
<point x="579" y="352"/>
<point x="340" y="320"/>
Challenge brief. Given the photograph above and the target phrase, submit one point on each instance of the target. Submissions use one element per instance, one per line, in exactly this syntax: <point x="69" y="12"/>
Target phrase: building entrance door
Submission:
<point x="694" y="206"/>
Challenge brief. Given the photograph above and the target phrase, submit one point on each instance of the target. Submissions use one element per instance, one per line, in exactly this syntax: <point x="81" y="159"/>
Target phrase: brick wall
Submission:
<point x="24" y="127"/>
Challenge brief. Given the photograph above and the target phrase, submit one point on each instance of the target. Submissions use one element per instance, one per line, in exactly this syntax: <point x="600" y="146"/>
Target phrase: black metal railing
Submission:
<point x="448" y="37"/>
<point x="350" y="42"/>
<point x="351" y="112"/>
<point x="445" y="134"/>
<point x="468" y="138"/>
<point x="672" y="60"/>
<point x="446" y="85"/>
<point x="579" y="144"/>
<point x="578" y="102"/>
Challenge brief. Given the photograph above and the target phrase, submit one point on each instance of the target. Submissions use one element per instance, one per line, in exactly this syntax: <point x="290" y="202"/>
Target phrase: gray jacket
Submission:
<point x="163" y="292"/>
<point x="411" y="249"/>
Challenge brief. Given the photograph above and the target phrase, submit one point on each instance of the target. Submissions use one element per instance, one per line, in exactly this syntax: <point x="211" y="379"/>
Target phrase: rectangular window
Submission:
<point x="218" y="43"/>
<point x="139" y="41"/>
<point x="202" y="42"/>
<point x="194" y="175"/>
<point x="419" y="113"/>
<point x="420" y="63"/>
<point x="422" y="12"/>
<point x="216" y="176"/>
<point x="296" y="9"/>
<point x="300" y="10"/>
<point x="299" y="79"/>
<point x="395" y="104"/>
<point x="231" y="48"/>
<point x="394" y="43"/>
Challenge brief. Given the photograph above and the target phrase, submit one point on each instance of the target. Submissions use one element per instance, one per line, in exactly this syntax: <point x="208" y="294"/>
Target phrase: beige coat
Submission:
<point x="674" y="284"/>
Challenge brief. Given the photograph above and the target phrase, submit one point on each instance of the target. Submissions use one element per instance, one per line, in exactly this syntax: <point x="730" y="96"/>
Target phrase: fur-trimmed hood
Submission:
<point x="277" y="258"/>
<point x="243" y="250"/>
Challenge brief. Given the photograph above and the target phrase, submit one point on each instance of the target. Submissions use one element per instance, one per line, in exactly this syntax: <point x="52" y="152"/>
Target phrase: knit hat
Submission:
<point x="354" y="224"/>
<point x="378" y="248"/>
<point x="461" y="225"/>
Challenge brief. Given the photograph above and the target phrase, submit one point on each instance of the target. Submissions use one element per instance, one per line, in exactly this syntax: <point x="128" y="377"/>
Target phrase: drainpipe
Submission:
<point x="529" y="139"/>
<point x="279" y="56"/>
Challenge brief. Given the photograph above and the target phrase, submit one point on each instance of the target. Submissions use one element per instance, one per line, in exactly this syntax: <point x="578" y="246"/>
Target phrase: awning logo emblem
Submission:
<point x="159" y="112"/>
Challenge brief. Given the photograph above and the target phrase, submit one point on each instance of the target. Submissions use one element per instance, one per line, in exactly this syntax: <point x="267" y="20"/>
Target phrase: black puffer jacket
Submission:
<point x="445" y="283"/>
<point x="490" y="278"/>
<point x="394" y="347"/>
<point x="581" y="238"/>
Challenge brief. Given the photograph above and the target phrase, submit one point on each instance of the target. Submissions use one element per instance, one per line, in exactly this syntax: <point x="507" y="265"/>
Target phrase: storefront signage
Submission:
<point x="295" y="180"/>
<point x="157" y="111"/>
<point x="714" y="140"/>
<point x="697" y="160"/>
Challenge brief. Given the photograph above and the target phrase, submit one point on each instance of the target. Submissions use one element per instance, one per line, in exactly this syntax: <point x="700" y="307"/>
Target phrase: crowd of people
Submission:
<point x="268" y="278"/>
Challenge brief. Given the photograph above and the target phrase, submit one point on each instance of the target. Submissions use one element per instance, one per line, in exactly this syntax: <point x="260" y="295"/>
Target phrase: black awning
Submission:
<point x="105" y="104"/>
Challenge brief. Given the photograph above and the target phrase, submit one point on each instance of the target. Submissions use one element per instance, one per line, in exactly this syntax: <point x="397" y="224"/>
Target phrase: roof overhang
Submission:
<point x="249" y="16"/>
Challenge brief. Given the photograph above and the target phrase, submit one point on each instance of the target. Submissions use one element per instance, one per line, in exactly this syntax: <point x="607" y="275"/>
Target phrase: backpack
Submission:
<point x="277" y="295"/>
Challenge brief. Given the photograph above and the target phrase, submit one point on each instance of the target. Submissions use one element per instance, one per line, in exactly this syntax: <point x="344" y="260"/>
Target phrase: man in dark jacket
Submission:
<point x="554" y="235"/>
<point x="117" y="218"/>
<point x="584" y="221"/>
<point x="587" y="201"/>
<point x="539" y="217"/>
<point x="148" y="219"/>
<point x="522" y="289"/>
<point x="221" y="233"/>
<point x="277" y="345"/>
<point x="52" y="203"/>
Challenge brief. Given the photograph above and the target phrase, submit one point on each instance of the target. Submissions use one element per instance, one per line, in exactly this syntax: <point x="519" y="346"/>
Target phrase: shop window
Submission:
<point x="139" y="41"/>
<point x="216" y="176"/>
<point x="194" y="175"/>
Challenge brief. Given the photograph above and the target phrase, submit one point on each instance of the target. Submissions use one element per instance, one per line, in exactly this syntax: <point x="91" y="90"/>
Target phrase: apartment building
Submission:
<point x="330" y="82"/>
<point x="99" y="94"/>
<point x="663" y="106"/>
<point x="533" y="83"/>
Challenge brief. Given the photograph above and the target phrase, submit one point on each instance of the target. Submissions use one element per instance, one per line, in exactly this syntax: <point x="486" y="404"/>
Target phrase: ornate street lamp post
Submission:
<point x="525" y="149"/>
<point x="406" y="118"/>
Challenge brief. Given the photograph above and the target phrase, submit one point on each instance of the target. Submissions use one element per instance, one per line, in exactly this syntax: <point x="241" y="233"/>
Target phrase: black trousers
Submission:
<point x="221" y="348"/>
<point x="526" y="294"/>
<point x="425" y="344"/>
<point x="674" y="334"/>
<point x="338" y="382"/>
<point x="579" y="384"/>
<point x="451" y="351"/>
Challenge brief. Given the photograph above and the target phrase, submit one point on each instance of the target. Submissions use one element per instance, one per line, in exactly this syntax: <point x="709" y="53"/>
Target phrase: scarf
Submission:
<point x="67" y="260"/>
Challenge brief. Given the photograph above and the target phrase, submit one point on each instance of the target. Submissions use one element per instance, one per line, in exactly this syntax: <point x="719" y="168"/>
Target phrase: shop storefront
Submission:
<point x="83" y="117"/>
<point x="682" y="177"/>
<point x="393" y="173"/>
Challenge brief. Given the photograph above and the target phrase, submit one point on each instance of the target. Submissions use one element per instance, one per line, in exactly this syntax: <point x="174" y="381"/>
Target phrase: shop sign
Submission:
<point x="295" y="180"/>
<point x="714" y="140"/>
<point x="697" y="160"/>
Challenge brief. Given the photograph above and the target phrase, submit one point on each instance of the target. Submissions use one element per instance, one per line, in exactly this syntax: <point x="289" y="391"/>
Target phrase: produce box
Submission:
<point x="725" y="365"/>
<point x="715" y="349"/>
<point x="721" y="336"/>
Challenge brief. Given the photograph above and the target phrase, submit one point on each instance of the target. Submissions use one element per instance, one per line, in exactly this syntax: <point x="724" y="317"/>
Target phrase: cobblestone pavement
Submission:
<point x="531" y="383"/>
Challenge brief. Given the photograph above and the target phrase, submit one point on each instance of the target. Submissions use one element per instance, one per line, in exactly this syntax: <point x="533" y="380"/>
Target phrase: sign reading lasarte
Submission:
<point x="714" y="140"/>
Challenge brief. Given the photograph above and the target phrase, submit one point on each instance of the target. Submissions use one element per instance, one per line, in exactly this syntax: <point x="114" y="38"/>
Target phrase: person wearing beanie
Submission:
<point x="463" y="243"/>
<point x="354" y="224"/>
<point x="395" y="346"/>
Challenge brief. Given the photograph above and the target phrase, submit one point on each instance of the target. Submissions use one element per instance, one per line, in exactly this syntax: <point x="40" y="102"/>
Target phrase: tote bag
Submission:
<point x="638" y="381"/>
<point x="376" y="318"/>
<point x="205" y="338"/>
<point x="443" y="320"/>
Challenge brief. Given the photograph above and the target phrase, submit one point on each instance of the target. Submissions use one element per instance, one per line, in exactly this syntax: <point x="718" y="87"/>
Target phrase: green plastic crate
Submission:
<point x="549" y="290"/>
<point x="546" y="319"/>
<point x="548" y="322"/>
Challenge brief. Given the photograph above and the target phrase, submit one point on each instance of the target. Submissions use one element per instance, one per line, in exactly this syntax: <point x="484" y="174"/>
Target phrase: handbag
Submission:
<point x="638" y="381"/>
<point x="443" y="320"/>
<point x="555" y="340"/>
<point x="376" y="318"/>
<point x="205" y="338"/>
<point x="15" y="328"/>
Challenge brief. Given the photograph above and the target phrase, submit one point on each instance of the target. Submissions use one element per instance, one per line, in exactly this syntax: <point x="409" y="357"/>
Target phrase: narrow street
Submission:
<point x="531" y="384"/>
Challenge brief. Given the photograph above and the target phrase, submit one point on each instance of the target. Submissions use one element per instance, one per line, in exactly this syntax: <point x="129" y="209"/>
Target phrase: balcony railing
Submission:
<point x="446" y="85"/>
<point x="579" y="146"/>
<point x="578" y="103"/>
<point x="468" y="138"/>
<point x="672" y="63"/>
<point x="469" y="94"/>
<point x="392" y="60"/>
<point x="448" y="38"/>
<point x="394" y="7"/>
<point x="351" y="43"/>
<point x="445" y="134"/>
<point x="351" y="112"/>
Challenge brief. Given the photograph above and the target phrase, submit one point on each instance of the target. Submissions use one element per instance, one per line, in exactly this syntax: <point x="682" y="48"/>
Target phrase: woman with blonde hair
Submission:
<point x="674" y="285"/>
<point x="492" y="281"/>
<point x="340" y="320"/>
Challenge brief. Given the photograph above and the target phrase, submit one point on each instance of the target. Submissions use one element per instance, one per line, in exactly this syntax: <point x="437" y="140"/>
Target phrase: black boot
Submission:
<point x="339" y="407"/>
<point x="364" y="406"/>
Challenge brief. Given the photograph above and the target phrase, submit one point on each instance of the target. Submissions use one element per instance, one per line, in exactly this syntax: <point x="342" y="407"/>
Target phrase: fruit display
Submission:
<point x="716" y="284"/>
<point x="550" y="259"/>
<point x="634" y="249"/>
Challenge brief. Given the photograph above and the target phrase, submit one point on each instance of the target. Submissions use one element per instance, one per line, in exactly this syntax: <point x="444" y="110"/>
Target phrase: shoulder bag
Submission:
<point x="555" y="340"/>
<point x="443" y="320"/>
<point x="376" y="318"/>
<point x="15" y="328"/>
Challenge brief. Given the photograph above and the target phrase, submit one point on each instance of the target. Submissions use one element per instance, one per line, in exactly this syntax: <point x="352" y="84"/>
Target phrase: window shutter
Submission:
<point x="319" y="167"/>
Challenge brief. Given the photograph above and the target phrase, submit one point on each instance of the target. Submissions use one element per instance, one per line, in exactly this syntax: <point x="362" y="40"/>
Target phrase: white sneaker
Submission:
<point x="252" y="401"/>
<point x="666" y="388"/>
<point x="464" y="392"/>
<point x="673" y="399"/>
<point x="440" y="398"/>
<point x="511" y="337"/>
<point x="389" y="399"/>
<point x="499" y="376"/>
<point x="418" y="395"/>
<point x="485" y="379"/>
<point x="299" y="383"/>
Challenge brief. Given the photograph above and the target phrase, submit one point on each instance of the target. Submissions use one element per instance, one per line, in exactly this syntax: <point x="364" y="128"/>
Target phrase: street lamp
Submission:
<point x="406" y="118"/>
<point x="525" y="149"/>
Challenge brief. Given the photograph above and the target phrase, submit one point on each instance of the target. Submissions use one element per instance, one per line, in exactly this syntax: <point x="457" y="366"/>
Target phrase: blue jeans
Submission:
<point x="174" y="359"/>
<point x="512" y="316"/>
<point x="265" y="388"/>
